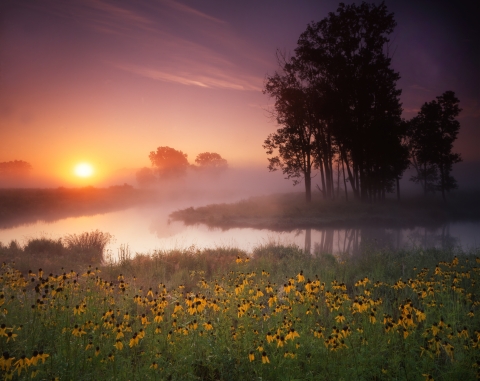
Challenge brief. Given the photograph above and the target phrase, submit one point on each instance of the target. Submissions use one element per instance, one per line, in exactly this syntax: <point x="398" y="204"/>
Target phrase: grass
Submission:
<point x="223" y="314"/>
<point x="289" y="211"/>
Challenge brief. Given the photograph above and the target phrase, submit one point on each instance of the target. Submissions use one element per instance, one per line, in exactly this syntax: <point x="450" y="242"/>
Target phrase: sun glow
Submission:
<point x="83" y="170"/>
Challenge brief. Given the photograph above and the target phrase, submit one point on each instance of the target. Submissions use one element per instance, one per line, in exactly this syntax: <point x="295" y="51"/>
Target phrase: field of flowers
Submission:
<point x="243" y="324"/>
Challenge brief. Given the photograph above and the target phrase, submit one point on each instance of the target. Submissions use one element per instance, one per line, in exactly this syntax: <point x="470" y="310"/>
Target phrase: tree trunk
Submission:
<point x="308" y="188"/>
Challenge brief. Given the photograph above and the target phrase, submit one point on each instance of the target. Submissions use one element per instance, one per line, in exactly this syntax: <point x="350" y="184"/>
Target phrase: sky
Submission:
<point x="108" y="81"/>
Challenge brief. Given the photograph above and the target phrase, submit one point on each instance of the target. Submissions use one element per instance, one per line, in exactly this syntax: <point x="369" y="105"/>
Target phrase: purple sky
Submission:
<point x="107" y="82"/>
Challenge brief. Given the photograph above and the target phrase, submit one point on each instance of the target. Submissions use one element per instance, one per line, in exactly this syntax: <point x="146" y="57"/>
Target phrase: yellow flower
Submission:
<point x="251" y="356"/>
<point x="6" y="361"/>
<point x="111" y="357"/>
<point x="154" y="365"/>
<point x="428" y="377"/>
<point x="208" y="326"/>
<point x="118" y="344"/>
<point x="11" y="335"/>
<point x="265" y="359"/>
<point x="340" y="318"/>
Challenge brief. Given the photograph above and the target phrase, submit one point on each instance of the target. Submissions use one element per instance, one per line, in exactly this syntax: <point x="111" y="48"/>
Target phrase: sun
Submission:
<point x="83" y="170"/>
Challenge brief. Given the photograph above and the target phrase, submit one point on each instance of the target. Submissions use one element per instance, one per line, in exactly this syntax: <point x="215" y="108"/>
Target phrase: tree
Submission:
<point x="337" y="99"/>
<point x="347" y="54"/>
<point x="15" y="169"/>
<point x="168" y="162"/>
<point x="295" y="140"/>
<point x="432" y="133"/>
<point x="211" y="160"/>
<point x="146" y="177"/>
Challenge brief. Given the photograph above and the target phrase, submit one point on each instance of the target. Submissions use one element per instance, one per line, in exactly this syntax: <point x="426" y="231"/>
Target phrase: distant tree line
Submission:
<point x="339" y="111"/>
<point x="15" y="169"/>
<point x="169" y="163"/>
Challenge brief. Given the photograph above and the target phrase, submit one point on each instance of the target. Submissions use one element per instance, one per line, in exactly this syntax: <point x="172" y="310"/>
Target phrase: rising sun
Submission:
<point x="83" y="170"/>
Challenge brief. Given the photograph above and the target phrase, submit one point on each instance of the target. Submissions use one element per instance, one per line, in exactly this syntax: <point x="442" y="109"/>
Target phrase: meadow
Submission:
<point x="276" y="313"/>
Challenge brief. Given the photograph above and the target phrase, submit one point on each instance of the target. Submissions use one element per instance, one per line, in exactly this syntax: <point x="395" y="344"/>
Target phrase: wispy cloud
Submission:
<point x="186" y="9"/>
<point x="221" y="80"/>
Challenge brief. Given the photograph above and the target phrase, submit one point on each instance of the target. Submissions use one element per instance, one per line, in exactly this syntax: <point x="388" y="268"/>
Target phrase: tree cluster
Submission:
<point x="15" y="169"/>
<point x="338" y="105"/>
<point x="169" y="164"/>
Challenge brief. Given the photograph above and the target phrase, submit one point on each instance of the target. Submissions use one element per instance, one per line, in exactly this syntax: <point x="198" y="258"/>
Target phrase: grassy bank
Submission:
<point x="222" y="314"/>
<point x="289" y="211"/>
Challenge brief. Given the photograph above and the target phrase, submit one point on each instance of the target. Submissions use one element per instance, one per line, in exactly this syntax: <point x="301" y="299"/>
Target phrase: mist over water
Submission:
<point x="146" y="228"/>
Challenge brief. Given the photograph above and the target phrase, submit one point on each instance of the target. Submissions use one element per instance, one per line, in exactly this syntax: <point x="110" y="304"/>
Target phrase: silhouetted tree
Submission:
<point x="168" y="162"/>
<point x="295" y="140"/>
<point x="347" y="55"/>
<point x="15" y="168"/>
<point x="337" y="97"/>
<point x="211" y="160"/>
<point x="146" y="177"/>
<point x="432" y="133"/>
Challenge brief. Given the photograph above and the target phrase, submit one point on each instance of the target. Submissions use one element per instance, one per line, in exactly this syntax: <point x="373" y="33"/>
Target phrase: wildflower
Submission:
<point x="6" y="361"/>
<point x="11" y="335"/>
<point x="428" y="377"/>
<point x="270" y="337"/>
<point x="97" y="351"/>
<point x="300" y="277"/>
<point x="78" y="331"/>
<point x="34" y="359"/>
<point x="111" y="357"/>
<point x="251" y="356"/>
<point x="265" y="359"/>
<point x="238" y="260"/>
<point x="208" y="326"/>
<point x="118" y="344"/>
<point x="177" y="308"/>
<point x="372" y="318"/>
<point x="292" y="334"/>
<point x="280" y="341"/>
<point x="340" y="318"/>
<point x="20" y="364"/>
<point x="154" y="365"/>
<point x="89" y="346"/>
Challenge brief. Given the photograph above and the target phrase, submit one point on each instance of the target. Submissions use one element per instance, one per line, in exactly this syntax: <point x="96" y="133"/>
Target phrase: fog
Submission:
<point x="139" y="217"/>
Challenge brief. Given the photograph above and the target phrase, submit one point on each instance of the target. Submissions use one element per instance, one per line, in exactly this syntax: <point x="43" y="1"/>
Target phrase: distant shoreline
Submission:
<point x="286" y="212"/>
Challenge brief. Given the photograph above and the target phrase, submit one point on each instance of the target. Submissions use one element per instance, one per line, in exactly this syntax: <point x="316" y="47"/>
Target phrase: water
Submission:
<point x="147" y="229"/>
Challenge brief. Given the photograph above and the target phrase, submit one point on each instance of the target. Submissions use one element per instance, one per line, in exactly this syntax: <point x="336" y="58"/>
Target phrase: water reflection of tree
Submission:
<point x="356" y="240"/>
<point x="427" y="237"/>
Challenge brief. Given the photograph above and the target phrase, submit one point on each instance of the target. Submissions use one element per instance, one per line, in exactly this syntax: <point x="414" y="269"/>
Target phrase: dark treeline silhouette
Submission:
<point x="169" y="164"/>
<point x="338" y="105"/>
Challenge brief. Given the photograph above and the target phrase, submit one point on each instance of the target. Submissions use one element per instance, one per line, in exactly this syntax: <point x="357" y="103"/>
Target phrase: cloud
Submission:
<point x="221" y="80"/>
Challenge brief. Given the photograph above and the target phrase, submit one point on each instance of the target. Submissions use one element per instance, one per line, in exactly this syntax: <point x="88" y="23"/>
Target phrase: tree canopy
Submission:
<point x="168" y="162"/>
<point x="431" y="136"/>
<point x="210" y="160"/>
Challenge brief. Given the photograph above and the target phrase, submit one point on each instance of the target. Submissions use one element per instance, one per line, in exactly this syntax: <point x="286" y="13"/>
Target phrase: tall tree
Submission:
<point x="168" y="162"/>
<point x="347" y="53"/>
<point x="294" y="141"/>
<point x="432" y="134"/>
